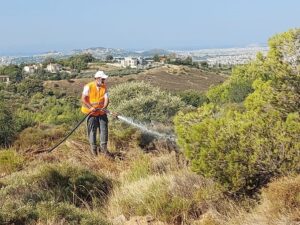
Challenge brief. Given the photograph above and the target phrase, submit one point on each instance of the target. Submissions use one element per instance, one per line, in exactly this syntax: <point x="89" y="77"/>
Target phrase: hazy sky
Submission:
<point x="31" y="26"/>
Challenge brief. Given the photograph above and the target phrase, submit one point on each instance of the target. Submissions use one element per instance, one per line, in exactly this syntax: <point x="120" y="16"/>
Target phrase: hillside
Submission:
<point x="221" y="155"/>
<point x="169" y="77"/>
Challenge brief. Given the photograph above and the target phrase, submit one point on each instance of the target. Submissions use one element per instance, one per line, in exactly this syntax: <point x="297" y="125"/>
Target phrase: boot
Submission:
<point x="94" y="150"/>
<point x="103" y="149"/>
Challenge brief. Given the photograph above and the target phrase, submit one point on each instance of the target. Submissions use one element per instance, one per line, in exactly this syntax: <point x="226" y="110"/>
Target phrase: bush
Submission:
<point x="193" y="98"/>
<point x="242" y="146"/>
<point x="10" y="161"/>
<point x="170" y="198"/>
<point x="54" y="110"/>
<point x="39" y="136"/>
<point x="144" y="102"/>
<point x="52" y="193"/>
<point x="7" y="124"/>
<point x="73" y="185"/>
<point x="240" y="150"/>
<point x="124" y="72"/>
<point x="14" y="211"/>
<point x="234" y="90"/>
<point x="29" y="87"/>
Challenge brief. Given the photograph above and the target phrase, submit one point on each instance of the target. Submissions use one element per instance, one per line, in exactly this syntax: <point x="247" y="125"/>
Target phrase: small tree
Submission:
<point x="109" y="58"/>
<point x="48" y="61"/>
<point x="30" y="87"/>
<point x="204" y="64"/>
<point x="249" y="132"/>
<point x="156" y="58"/>
<point x="7" y="125"/>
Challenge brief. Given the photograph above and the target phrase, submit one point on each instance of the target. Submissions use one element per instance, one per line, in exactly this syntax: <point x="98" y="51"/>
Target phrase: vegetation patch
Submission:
<point x="143" y="102"/>
<point x="169" y="198"/>
<point x="58" y="187"/>
<point x="10" y="161"/>
<point x="244" y="142"/>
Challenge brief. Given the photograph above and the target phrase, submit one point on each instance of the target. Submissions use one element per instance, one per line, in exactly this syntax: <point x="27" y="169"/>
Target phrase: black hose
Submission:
<point x="71" y="132"/>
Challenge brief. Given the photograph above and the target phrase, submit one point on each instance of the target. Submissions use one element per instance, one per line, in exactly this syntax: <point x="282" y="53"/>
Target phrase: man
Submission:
<point x="94" y="102"/>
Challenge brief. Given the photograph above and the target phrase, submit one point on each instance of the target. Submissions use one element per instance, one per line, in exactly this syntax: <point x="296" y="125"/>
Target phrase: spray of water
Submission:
<point x="144" y="128"/>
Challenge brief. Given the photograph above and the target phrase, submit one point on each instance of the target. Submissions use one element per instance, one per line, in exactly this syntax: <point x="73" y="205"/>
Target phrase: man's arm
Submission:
<point x="106" y="100"/>
<point x="85" y="98"/>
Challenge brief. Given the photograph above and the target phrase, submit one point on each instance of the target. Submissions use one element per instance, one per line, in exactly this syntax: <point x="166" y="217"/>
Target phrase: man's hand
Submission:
<point x="92" y="109"/>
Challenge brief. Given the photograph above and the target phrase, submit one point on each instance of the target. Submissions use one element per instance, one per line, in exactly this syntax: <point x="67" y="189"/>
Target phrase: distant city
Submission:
<point x="223" y="56"/>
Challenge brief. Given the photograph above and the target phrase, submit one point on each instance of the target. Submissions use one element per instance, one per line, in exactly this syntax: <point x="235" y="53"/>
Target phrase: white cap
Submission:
<point x="100" y="74"/>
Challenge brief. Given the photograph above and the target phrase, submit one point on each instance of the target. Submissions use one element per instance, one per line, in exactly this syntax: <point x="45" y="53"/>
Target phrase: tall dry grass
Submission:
<point x="279" y="205"/>
<point x="173" y="198"/>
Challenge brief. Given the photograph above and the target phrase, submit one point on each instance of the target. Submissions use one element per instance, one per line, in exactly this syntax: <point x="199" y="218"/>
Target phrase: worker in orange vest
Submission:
<point x="94" y="102"/>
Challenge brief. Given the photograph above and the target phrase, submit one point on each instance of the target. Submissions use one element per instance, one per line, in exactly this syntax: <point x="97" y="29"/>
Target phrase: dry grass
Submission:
<point x="173" y="198"/>
<point x="280" y="204"/>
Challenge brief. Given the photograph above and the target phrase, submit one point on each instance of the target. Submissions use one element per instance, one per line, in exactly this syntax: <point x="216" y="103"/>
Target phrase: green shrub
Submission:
<point x="234" y="90"/>
<point x="243" y="146"/>
<point x="240" y="150"/>
<point x="124" y="72"/>
<point x="39" y="136"/>
<point x="29" y="87"/>
<point x="194" y="98"/>
<point x="7" y="124"/>
<point x="10" y="161"/>
<point x="53" y="110"/>
<point x="14" y="211"/>
<point x="144" y="102"/>
<point x="120" y="135"/>
<point x="74" y="185"/>
<point x="24" y="119"/>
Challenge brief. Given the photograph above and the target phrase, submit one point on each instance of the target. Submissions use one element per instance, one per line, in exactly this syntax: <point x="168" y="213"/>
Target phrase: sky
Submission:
<point x="36" y="26"/>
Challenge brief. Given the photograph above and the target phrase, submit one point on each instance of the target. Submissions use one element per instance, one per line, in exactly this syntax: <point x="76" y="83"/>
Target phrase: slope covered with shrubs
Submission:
<point x="246" y="136"/>
<point x="243" y="135"/>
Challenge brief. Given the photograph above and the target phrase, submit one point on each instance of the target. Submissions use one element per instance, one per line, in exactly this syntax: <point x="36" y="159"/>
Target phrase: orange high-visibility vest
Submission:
<point x="96" y="98"/>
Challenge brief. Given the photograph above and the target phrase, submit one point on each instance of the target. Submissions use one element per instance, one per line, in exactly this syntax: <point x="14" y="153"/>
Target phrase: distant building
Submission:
<point x="28" y="69"/>
<point x="53" y="68"/>
<point x="32" y="68"/>
<point x="118" y="59"/>
<point x="162" y="59"/>
<point x="4" y="79"/>
<point x="129" y="62"/>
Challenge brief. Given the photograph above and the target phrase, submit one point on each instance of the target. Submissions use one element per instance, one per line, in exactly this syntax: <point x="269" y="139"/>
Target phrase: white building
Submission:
<point x="129" y="62"/>
<point x="53" y="68"/>
<point x="28" y="69"/>
<point x="32" y="68"/>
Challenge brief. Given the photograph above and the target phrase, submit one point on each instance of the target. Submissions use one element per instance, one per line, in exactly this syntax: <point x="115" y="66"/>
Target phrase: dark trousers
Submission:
<point x="95" y="123"/>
